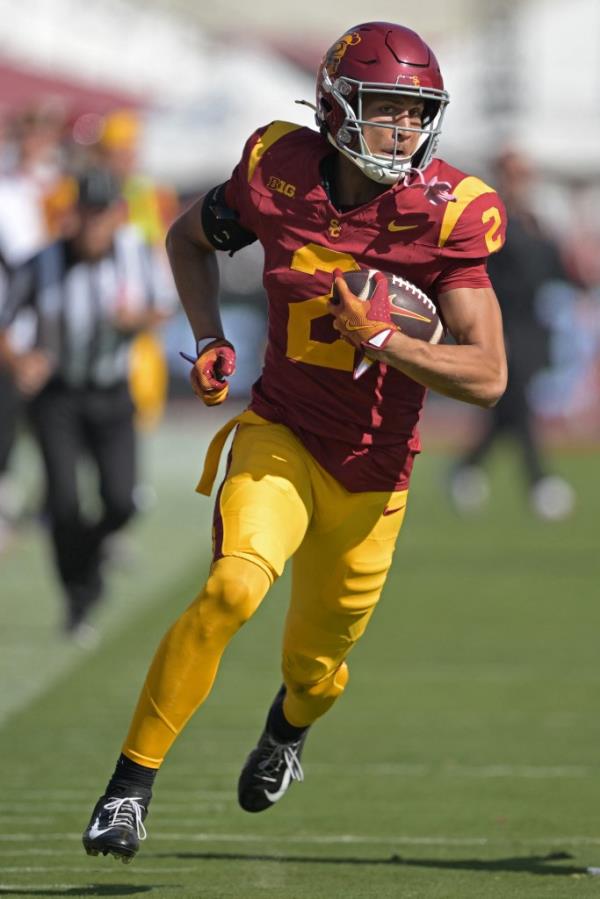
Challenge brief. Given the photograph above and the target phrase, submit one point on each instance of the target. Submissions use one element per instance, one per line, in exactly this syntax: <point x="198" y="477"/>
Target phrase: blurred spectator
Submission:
<point x="582" y="244"/>
<point x="5" y="144"/>
<point x="91" y="293"/>
<point x="29" y="166"/>
<point x="40" y="132"/>
<point x="528" y="261"/>
<point x="9" y="404"/>
<point x="152" y="208"/>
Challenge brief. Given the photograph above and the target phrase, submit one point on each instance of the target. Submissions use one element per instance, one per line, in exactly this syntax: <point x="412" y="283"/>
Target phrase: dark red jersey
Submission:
<point x="363" y="432"/>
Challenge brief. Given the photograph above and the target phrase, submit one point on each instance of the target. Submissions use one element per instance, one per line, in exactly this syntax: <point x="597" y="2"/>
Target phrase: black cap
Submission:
<point x="98" y="189"/>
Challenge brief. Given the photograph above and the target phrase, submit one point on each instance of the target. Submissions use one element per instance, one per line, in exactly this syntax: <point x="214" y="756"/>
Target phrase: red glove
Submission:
<point x="215" y="363"/>
<point x="366" y="324"/>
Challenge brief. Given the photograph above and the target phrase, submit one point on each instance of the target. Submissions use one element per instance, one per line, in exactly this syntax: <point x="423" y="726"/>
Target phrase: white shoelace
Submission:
<point x="127" y="811"/>
<point x="286" y="753"/>
<point x="292" y="760"/>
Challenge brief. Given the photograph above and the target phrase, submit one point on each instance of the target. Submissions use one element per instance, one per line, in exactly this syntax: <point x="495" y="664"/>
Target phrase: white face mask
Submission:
<point x="383" y="169"/>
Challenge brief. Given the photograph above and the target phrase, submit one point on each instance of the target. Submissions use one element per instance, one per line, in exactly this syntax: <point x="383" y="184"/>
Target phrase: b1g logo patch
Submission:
<point x="282" y="187"/>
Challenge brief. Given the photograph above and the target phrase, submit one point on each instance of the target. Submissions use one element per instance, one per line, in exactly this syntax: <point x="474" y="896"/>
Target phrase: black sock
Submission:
<point x="128" y="774"/>
<point x="278" y="725"/>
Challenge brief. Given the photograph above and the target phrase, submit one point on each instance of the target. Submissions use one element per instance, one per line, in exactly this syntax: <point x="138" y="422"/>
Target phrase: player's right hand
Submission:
<point x="210" y="371"/>
<point x="365" y="324"/>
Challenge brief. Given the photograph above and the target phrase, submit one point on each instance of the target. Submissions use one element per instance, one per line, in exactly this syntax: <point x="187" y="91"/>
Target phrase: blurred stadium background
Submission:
<point x="484" y="666"/>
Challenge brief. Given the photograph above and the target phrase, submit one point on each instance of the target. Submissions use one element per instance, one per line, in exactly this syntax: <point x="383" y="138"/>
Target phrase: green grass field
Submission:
<point x="462" y="763"/>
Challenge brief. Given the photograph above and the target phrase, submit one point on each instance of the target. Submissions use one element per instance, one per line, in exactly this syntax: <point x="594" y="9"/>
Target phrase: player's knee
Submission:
<point x="231" y="595"/>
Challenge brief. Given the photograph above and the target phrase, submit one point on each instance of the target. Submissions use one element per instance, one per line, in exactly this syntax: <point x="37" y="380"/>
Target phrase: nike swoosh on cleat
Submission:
<point x="95" y="831"/>
<point x="392" y="226"/>
<point x="273" y="797"/>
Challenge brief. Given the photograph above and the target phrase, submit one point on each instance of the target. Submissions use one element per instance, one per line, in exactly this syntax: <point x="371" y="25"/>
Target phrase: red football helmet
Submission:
<point x="379" y="58"/>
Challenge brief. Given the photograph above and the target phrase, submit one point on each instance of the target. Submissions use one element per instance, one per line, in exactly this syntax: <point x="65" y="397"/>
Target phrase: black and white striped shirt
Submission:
<point x="76" y="302"/>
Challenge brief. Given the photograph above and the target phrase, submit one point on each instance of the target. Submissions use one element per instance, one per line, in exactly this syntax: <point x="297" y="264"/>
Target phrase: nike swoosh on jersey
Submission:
<point x="392" y="226"/>
<point x="273" y="797"/>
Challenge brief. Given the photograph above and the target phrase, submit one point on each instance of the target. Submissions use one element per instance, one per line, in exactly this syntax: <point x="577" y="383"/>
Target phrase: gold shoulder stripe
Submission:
<point x="273" y="133"/>
<point x="465" y="192"/>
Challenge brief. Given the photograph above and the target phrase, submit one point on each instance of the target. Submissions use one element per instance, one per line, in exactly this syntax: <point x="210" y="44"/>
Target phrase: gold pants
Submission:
<point x="276" y="502"/>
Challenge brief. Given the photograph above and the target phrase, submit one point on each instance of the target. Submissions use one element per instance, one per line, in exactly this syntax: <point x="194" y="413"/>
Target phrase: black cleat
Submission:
<point x="116" y="826"/>
<point x="269" y="770"/>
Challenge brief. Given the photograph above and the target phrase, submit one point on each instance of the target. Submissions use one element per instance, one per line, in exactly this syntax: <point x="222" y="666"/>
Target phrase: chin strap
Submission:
<point x="437" y="192"/>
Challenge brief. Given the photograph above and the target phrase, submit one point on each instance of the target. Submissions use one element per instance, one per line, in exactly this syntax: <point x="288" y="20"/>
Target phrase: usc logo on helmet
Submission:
<point x="338" y="51"/>
<point x="409" y="79"/>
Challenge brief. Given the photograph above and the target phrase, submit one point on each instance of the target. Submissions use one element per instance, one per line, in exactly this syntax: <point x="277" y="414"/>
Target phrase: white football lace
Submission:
<point x="283" y="753"/>
<point x="127" y="811"/>
<point x="408" y="285"/>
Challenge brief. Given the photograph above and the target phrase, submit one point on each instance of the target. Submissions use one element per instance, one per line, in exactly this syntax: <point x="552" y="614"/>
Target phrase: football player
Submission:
<point x="321" y="461"/>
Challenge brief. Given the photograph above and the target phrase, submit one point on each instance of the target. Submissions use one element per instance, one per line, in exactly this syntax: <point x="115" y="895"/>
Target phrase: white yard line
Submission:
<point x="50" y="796"/>
<point x="84" y="869"/>
<point x="385" y="769"/>
<point x="323" y="840"/>
<point x="25" y="818"/>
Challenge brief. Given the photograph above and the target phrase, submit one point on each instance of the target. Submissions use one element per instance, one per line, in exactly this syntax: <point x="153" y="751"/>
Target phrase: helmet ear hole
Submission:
<point x="430" y="111"/>
<point x="324" y="110"/>
<point x="418" y="156"/>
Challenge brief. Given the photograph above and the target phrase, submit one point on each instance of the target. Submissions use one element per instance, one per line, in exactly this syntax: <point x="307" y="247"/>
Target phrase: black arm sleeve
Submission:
<point x="221" y="225"/>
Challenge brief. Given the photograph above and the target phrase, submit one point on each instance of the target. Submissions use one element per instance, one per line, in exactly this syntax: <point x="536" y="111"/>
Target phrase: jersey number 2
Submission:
<point x="493" y="237"/>
<point x="300" y="345"/>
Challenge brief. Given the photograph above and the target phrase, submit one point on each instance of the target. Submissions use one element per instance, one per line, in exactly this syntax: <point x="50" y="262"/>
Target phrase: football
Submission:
<point x="411" y="310"/>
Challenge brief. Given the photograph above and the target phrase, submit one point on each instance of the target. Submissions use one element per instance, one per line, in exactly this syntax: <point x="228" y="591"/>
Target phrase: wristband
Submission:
<point x="203" y="342"/>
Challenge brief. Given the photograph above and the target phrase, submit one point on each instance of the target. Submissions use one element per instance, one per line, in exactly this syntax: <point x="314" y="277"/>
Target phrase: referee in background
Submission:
<point x="9" y="405"/>
<point x="91" y="293"/>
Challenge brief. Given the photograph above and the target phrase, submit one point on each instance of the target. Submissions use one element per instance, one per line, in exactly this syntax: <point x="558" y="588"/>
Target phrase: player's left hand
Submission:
<point x="211" y="369"/>
<point x="366" y="324"/>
